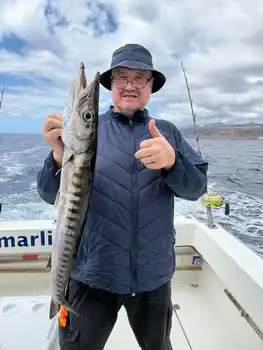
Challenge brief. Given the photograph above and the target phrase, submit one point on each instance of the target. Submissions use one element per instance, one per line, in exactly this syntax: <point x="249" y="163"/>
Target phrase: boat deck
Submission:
<point x="204" y="317"/>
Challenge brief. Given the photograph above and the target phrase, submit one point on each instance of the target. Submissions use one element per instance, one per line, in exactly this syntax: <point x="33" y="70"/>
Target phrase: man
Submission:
<point x="126" y="257"/>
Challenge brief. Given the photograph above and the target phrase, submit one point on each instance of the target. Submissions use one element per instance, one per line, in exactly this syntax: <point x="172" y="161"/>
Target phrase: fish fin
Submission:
<point x="53" y="309"/>
<point x="65" y="122"/>
<point x="57" y="200"/>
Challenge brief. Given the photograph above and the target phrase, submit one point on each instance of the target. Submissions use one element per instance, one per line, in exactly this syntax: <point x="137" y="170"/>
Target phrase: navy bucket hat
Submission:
<point x="133" y="56"/>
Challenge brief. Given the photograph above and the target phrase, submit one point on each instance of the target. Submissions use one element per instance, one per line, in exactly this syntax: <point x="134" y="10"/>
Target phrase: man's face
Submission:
<point x="128" y="97"/>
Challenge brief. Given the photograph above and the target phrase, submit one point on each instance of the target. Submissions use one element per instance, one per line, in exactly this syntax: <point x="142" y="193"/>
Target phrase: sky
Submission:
<point x="220" y="43"/>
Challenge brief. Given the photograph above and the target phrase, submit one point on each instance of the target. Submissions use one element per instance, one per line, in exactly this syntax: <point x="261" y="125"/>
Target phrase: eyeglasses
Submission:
<point x="138" y="82"/>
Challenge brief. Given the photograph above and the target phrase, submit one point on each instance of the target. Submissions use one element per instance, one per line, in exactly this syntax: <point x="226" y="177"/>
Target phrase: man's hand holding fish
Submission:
<point x="52" y="129"/>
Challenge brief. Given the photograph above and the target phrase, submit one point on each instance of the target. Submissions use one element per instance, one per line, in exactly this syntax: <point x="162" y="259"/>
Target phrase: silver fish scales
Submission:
<point x="79" y="135"/>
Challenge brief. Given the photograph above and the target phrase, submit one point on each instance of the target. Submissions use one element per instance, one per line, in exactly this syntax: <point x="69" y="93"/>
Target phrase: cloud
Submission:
<point x="219" y="41"/>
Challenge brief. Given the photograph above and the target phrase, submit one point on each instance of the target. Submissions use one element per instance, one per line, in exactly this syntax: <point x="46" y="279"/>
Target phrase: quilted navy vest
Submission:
<point x="128" y="241"/>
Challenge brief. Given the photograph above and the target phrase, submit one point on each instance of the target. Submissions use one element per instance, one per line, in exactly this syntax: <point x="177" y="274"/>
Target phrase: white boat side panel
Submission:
<point x="239" y="268"/>
<point x="26" y="237"/>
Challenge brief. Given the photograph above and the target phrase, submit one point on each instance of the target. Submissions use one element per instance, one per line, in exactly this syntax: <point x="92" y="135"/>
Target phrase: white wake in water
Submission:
<point x="245" y="220"/>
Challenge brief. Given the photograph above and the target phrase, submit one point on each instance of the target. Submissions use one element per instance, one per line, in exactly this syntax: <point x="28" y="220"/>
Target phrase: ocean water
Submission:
<point x="235" y="171"/>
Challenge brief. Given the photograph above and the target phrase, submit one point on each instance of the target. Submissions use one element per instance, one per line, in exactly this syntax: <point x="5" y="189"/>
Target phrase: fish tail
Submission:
<point x="53" y="309"/>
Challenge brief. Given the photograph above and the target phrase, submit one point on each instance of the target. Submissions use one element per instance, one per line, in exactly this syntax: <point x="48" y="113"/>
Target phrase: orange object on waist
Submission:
<point x="63" y="314"/>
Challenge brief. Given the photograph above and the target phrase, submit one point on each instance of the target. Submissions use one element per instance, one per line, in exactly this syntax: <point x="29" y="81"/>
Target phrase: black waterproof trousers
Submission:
<point x="149" y="314"/>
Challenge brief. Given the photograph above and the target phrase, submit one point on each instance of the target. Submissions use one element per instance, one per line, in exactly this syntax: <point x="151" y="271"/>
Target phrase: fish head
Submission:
<point x="87" y="110"/>
<point x="81" y="120"/>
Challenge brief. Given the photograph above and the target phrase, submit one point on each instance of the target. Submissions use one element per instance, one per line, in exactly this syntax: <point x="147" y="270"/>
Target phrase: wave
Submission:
<point x="245" y="220"/>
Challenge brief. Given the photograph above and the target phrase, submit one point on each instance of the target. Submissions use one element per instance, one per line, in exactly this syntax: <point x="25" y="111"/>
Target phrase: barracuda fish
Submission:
<point x="79" y="135"/>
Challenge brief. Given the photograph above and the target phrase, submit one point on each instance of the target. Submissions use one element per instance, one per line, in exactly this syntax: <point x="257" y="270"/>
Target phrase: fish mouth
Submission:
<point x="96" y="76"/>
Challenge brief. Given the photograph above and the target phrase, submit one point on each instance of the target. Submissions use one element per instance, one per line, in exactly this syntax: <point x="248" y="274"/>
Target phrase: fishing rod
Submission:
<point x="1" y="101"/>
<point x="2" y="96"/>
<point x="193" y="113"/>
<point x="207" y="200"/>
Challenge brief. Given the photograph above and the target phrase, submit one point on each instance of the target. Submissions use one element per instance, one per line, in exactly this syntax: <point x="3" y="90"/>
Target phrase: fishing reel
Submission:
<point x="216" y="200"/>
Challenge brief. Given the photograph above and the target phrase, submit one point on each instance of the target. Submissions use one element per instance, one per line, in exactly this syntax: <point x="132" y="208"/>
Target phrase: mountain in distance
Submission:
<point x="219" y="130"/>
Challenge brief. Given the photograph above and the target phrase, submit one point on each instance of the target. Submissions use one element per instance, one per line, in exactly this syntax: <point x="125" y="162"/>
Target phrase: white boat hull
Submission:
<point x="213" y="267"/>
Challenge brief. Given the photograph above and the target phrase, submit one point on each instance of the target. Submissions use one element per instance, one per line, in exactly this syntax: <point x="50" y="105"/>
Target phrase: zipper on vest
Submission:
<point x="134" y="219"/>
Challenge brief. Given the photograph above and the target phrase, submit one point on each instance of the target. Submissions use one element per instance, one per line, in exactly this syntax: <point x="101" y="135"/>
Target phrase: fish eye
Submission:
<point x="88" y="115"/>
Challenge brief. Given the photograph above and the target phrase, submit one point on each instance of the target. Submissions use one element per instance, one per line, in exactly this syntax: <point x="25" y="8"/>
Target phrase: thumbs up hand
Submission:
<point x="153" y="129"/>
<point x="156" y="153"/>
